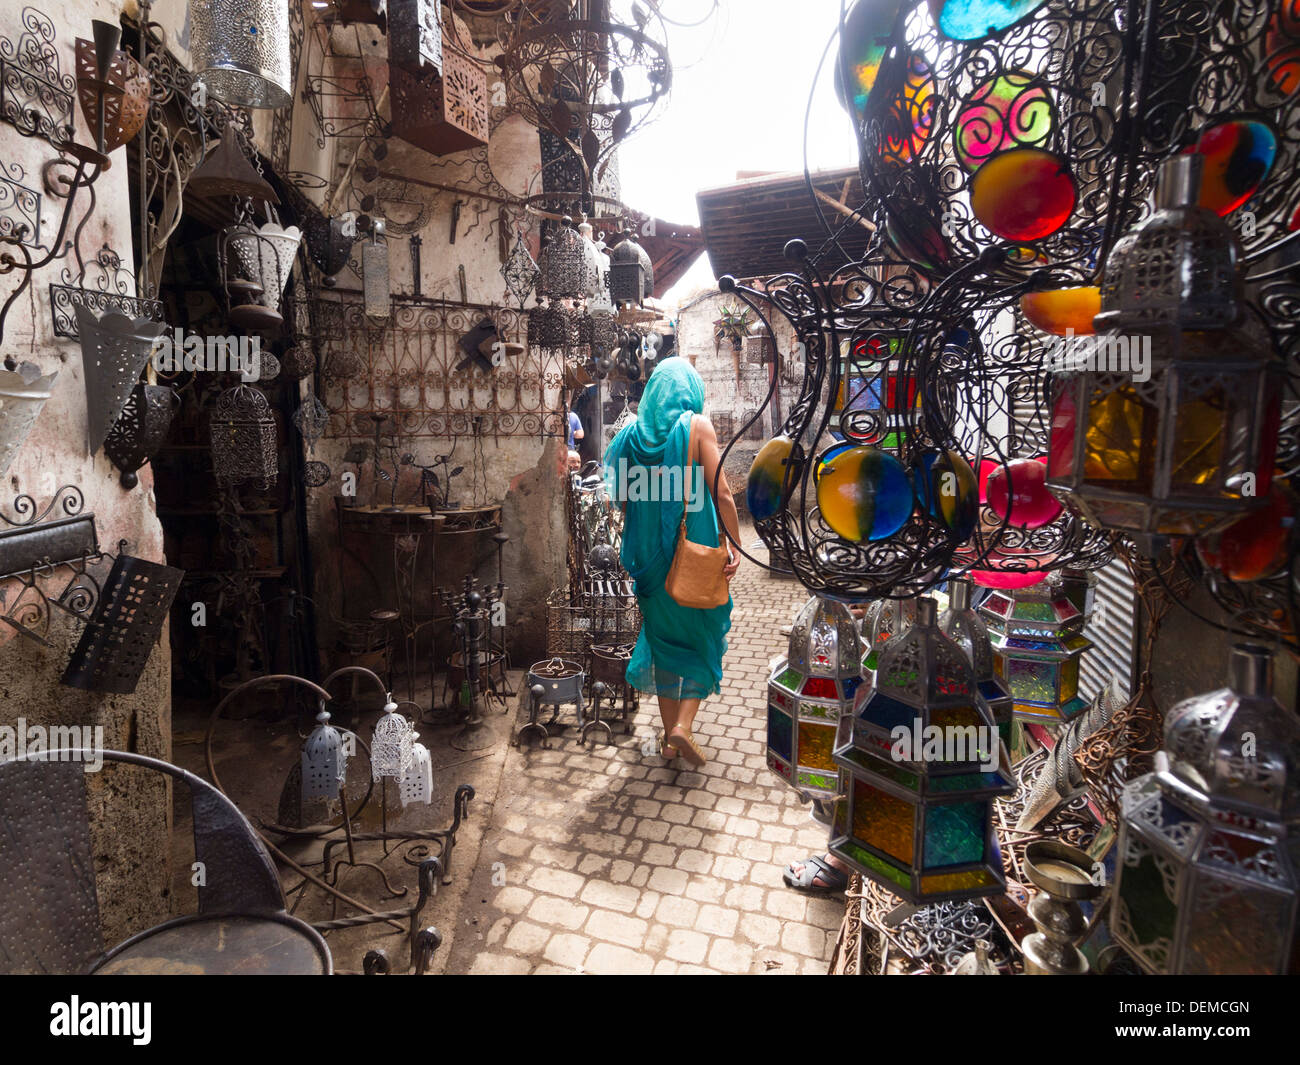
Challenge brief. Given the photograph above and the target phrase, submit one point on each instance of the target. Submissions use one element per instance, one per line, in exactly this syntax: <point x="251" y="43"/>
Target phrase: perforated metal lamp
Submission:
<point x="324" y="761"/>
<point x="1037" y="636"/>
<point x="631" y="273"/>
<point x="1209" y="844"/>
<point x="961" y="624"/>
<point x="240" y="50"/>
<point x="919" y="826"/>
<point x="807" y="694"/>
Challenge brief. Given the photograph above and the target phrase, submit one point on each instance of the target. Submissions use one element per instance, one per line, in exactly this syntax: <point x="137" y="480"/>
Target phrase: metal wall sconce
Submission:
<point x="107" y="292"/>
<point x="240" y="50"/>
<point x="23" y="393"/>
<point x="114" y="100"/>
<point x="141" y="429"/>
<point x="114" y="352"/>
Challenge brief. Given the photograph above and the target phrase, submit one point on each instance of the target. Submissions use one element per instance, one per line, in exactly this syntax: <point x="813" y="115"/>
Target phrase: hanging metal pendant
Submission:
<point x="114" y="351"/>
<point x="243" y="436"/>
<point x="441" y="113"/>
<point x="520" y="271"/>
<point x="327" y="243"/>
<point x="240" y="50"/>
<point x="226" y="171"/>
<point x="311" y="419"/>
<point x="298" y="362"/>
<point x="391" y="743"/>
<point x="552" y="326"/>
<point x="565" y="270"/>
<point x="265" y="256"/>
<point x="324" y="761"/>
<point x="375" y="281"/>
<point x="140" y="431"/>
<point x="23" y="393"/>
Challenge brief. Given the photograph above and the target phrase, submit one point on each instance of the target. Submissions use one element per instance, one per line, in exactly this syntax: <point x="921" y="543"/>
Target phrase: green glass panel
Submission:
<point x="1151" y="910"/>
<point x="955" y="834"/>
<point x="1034" y="682"/>
<point x="877" y="865"/>
<point x="790" y="679"/>
<point x="1035" y="611"/>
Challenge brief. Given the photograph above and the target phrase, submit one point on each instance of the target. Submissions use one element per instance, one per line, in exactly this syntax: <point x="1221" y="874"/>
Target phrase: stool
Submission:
<point x="555" y="684"/>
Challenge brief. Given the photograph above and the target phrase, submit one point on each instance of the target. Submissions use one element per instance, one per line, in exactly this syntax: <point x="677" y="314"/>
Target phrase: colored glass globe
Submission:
<point x="763" y="486"/>
<point x="947" y="488"/>
<point x="1018" y="492"/>
<point x="864" y="494"/>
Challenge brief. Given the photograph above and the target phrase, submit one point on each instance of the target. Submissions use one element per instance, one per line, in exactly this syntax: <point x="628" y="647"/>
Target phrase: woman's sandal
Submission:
<point x="816" y="868"/>
<point x="681" y="740"/>
<point x="665" y="751"/>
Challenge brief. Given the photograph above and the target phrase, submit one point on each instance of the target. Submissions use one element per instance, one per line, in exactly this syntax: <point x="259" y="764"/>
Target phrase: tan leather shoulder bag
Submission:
<point x="695" y="578"/>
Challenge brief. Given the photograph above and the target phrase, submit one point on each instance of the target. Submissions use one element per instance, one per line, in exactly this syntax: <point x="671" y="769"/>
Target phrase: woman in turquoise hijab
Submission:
<point x="678" y="656"/>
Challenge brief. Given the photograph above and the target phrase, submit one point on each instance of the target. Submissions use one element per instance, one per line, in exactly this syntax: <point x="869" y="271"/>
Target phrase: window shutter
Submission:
<point x="1113" y="631"/>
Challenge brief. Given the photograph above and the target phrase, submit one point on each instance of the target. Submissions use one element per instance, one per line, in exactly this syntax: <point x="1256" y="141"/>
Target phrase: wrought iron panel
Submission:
<point x="35" y="95"/>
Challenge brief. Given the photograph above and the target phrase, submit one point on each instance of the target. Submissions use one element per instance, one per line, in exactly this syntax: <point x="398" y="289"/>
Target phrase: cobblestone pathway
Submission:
<point x="606" y="861"/>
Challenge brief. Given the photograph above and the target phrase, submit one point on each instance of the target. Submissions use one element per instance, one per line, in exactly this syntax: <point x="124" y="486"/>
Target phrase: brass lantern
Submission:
<point x="917" y="817"/>
<point x="807" y="693"/>
<point x="1208" y="862"/>
<point x="1165" y="423"/>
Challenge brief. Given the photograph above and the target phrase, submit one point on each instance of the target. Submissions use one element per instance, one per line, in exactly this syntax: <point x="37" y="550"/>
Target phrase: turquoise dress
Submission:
<point x="678" y="654"/>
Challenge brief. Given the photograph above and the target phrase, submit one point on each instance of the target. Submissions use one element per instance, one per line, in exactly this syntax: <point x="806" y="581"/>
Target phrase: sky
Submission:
<point x="741" y="85"/>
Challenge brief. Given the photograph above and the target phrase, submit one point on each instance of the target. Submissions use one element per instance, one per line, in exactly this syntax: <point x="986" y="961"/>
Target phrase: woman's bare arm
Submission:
<point x="709" y="456"/>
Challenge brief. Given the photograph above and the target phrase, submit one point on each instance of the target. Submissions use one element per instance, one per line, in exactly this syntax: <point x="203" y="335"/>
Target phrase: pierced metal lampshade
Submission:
<point x="242" y="431"/>
<point x="265" y="256"/>
<point x="114" y="351"/>
<point x="377" y="291"/>
<point x="125" y="103"/>
<point x="416" y="782"/>
<point x="327" y="242"/>
<point x="1208" y="869"/>
<point x="552" y="326"/>
<point x="415" y="35"/>
<point x="807" y="693"/>
<point x="240" y="50"/>
<point x="298" y="362"/>
<point x="324" y="761"/>
<point x="23" y="393"/>
<point x="390" y="745"/>
<point x="564" y="265"/>
<point x="631" y="273"/>
<point x="961" y="624"/>
<point x="137" y="435"/>
<point x="441" y="113"/>
<point x="226" y="171"/>
<point x="918" y="817"/>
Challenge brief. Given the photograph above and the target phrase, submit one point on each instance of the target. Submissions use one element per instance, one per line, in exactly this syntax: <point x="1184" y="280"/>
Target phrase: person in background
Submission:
<point x="576" y="432"/>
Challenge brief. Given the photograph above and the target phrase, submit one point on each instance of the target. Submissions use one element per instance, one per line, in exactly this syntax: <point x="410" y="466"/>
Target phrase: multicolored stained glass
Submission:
<point x="790" y="679"/>
<point x="907" y="122"/>
<point x="864" y="42"/>
<point x="865" y="494"/>
<point x="1018" y="492"/>
<point x="883" y="822"/>
<point x="1238" y="157"/>
<point x="946" y="487"/>
<point x="1023" y="194"/>
<point x="1031" y="681"/>
<point x="972" y="881"/>
<point x="973" y="20"/>
<point x="1062" y="311"/>
<point x="763" y="486"/>
<point x="816" y="742"/>
<point x="1012" y="109"/>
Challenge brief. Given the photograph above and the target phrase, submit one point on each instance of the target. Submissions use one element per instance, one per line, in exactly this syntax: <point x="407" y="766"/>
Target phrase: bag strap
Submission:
<point x="687" y="478"/>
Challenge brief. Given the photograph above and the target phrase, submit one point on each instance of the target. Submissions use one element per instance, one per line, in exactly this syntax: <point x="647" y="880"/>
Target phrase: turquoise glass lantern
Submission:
<point x="1037" y="636"/>
<point x="1209" y="844"/>
<point x="808" y="692"/>
<point x="917" y="815"/>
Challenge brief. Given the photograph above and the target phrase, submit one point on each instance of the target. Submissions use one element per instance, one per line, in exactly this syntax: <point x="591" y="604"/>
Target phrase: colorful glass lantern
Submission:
<point x="1037" y="636"/>
<point x="917" y="817"/>
<point x="886" y="619"/>
<point x="961" y="624"/>
<point x="1208" y="864"/>
<point x="240" y="50"/>
<point x="1165" y="423"/>
<point x="631" y="273"/>
<point x="808" y="692"/>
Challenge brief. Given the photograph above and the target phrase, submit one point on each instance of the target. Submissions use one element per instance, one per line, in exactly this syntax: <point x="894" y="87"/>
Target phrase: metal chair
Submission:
<point x="49" y="907"/>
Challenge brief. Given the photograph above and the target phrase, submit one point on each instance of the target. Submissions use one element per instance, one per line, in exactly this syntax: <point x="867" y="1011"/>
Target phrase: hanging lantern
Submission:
<point x="23" y="393"/>
<point x="123" y="95"/>
<point x="263" y="256"/>
<point x="375" y="283"/>
<point x="298" y="362"/>
<point x="140" y="431"/>
<point x="226" y="171"/>
<point x="416" y="782"/>
<point x="1207" y="873"/>
<point x="961" y="624"/>
<point x="597" y="271"/>
<point x="441" y="113"/>
<point x="553" y="326"/>
<point x="887" y="618"/>
<point x="328" y="242"/>
<point x="114" y="351"/>
<point x="240" y="50"/>
<point x="808" y="692"/>
<point x="520" y="271"/>
<point x="243" y="435"/>
<point x="415" y="36"/>
<point x="565" y="269"/>
<point x="324" y="761"/>
<point x="391" y="743"/>
<point x="1037" y="636"/>
<point x="917" y="816"/>
<point x="1170" y="426"/>
<point x="631" y="273"/>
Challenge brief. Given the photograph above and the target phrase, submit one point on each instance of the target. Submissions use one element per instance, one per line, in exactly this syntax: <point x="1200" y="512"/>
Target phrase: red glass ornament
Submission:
<point x="1256" y="546"/>
<point x="1018" y="492"/>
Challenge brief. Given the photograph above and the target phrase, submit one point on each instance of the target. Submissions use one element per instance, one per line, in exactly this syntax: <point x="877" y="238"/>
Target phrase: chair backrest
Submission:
<point x="49" y="908"/>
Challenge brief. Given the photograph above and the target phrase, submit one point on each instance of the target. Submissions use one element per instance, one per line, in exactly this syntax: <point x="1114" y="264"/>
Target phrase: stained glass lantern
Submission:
<point x="1209" y="865"/>
<point x="243" y="434"/>
<point x="886" y="619"/>
<point x="565" y="269"/>
<point x="240" y="50"/>
<point x="631" y="273"/>
<point x="1037" y="636"/>
<point x="917" y="817"/>
<point x="1165" y="422"/>
<point x="961" y="624"/>
<point x="441" y="113"/>
<point x="390" y="745"/>
<point x="324" y="761"/>
<point x="808" y="692"/>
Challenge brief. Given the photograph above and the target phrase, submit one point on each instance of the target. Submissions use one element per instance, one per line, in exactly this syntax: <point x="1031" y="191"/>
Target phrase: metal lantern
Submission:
<point x="961" y="624"/>
<point x="886" y="618"/>
<point x="553" y="326"/>
<point x="324" y="761"/>
<point x="264" y="256"/>
<point x="808" y="692"/>
<point x="390" y="744"/>
<point x="226" y="171"/>
<point x="597" y="292"/>
<point x="1166" y="422"/>
<point x="123" y="95"/>
<point x="243" y="435"/>
<point x="416" y="782"/>
<point x="240" y="50"/>
<point x="1038" y="639"/>
<point x="565" y="270"/>
<point x="415" y="35"/>
<point x="298" y="362"/>
<point x="328" y="242"/>
<point x="375" y="282"/>
<point x="1208" y="864"/>
<point x="918" y="818"/>
<point x="137" y="435"/>
<point x="114" y="351"/>
<point x="520" y="271"/>
<point x="631" y="273"/>
<point x="441" y="113"/>
<point x="23" y="393"/>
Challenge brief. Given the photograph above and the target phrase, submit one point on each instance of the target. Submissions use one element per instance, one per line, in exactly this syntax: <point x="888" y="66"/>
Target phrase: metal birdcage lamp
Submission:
<point x="140" y="431"/>
<point x="1165" y="423"/>
<point x="807" y="693"/>
<point x="390" y="743"/>
<point x="240" y="50"/>
<point x="565" y="268"/>
<point x="963" y="625"/>
<point x="324" y="761"/>
<point x="631" y="273"/>
<point x="915" y="818"/>
<point x="243" y="435"/>
<point x="1208" y="869"/>
<point x="114" y="352"/>
<point x="1037" y="636"/>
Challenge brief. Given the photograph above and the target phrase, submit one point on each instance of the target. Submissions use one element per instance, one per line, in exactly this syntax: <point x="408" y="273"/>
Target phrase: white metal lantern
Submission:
<point x="391" y="743"/>
<point x="240" y="50"/>
<point x="416" y="782"/>
<point x="324" y="761"/>
<point x="265" y="255"/>
<point x="23" y="393"/>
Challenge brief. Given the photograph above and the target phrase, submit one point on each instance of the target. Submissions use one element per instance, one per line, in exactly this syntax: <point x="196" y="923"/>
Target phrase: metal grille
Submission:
<point x="1113" y="630"/>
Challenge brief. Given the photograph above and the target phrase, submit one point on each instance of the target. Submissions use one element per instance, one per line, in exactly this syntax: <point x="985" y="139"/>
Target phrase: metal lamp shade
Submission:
<point x="564" y="265"/>
<point x="441" y="113"/>
<point x="226" y="171"/>
<point x="416" y="781"/>
<point x="240" y="50"/>
<point x="1038" y="640"/>
<point x="375" y="283"/>
<point x="114" y="351"/>
<point x="243" y="435"/>
<point x="807" y="694"/>
<point x="631" y="273"/>
<point x="265" y="256"/>
<point x="553" y="326"/>
<point x="137" y="435"/>
<point x="125" y="104"/>
<point x="324" y="761"/>
<point x="919" y="826"/>
<point x="327" y="243"/>
<point x="22" y="397"/>
<point x="1208" y="869"/>
<point x="520" y="272"/>
<point x="415" y="35"/>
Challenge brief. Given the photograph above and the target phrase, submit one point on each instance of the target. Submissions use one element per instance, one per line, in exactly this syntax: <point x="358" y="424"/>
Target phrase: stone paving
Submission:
<point x="607" y="860"/>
